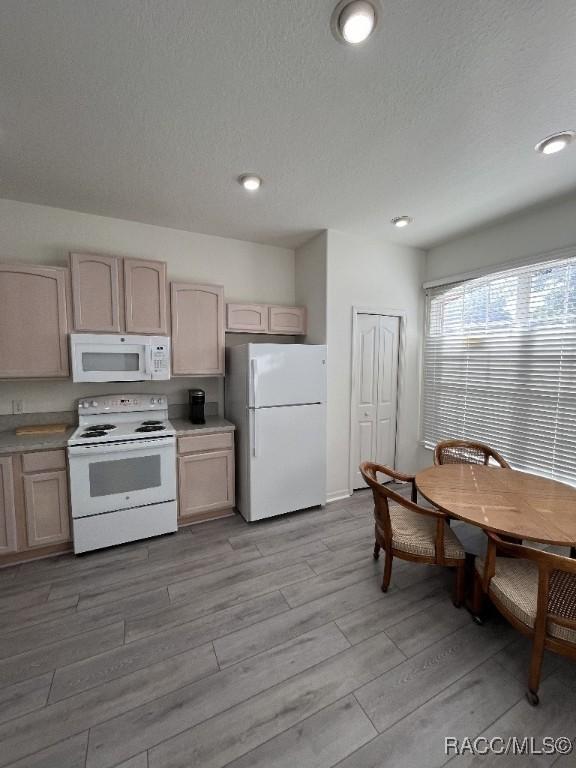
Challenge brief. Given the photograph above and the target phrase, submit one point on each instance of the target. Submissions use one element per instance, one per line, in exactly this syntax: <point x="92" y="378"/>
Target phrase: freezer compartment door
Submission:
<point x="287" y="461"/>
<point x="287" y="374"/>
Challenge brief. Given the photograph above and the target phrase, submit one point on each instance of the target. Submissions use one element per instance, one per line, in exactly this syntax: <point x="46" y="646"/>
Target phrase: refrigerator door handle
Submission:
<point x="253" y="380"/>
<point x="255" y="441"/>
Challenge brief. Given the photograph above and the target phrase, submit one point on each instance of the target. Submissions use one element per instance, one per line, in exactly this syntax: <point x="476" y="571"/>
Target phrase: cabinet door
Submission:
<point x="96" y="292"/>
<point x="197" y="329"/>
<point x="8" y="537"/>
<point x="291" y="320"/>
<point x="46" y="501"/>
<point x="145" y="296"/>
<point x="247" y="318"/>
<point x="206" y="482"/>
<point x="33" y="321"/>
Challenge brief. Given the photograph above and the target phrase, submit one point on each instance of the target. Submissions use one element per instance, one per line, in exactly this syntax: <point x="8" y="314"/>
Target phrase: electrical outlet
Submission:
<point x="17" y="406"/>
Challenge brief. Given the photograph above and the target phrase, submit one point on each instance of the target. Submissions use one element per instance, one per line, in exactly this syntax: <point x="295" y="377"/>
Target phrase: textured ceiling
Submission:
<point x="149" y="109"/>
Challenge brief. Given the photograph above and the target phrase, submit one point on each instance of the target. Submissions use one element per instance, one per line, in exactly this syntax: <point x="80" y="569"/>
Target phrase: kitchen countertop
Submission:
<point x="213" y="424"/>
<point x="10" y="442"/>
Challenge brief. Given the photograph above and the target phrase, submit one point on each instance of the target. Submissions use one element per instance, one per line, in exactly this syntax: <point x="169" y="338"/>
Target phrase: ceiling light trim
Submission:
<point x="337" y="14"/>
<point x="561" y="138"/>
<point x="401" y="221"/>
<point x="251" y="182"/>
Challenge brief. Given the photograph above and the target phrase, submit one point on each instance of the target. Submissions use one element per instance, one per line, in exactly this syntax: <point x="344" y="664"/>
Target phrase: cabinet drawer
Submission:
<point x="211" y="442"/>
<point x="44" y="461"/>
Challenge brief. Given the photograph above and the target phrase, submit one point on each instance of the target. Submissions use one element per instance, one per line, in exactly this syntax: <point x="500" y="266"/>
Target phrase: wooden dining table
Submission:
<point x="507" y="501"/>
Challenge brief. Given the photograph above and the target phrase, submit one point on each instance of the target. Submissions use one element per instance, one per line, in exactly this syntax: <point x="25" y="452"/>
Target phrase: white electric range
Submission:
<point x="122" y="463"/>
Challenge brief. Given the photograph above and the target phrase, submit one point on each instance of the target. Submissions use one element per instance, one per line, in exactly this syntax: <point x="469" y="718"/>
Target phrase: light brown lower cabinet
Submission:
<point x="8" y="536"/>
<point x="46" y="502"/>
<point x="34" y="505"/>
<point x="205" y="476"/>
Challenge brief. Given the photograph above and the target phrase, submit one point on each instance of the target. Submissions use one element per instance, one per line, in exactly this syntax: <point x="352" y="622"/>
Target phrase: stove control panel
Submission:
<point x="122" y="404"/>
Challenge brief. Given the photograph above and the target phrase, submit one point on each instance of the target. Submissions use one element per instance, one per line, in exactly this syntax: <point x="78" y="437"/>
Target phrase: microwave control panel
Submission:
<point x="160" y="358"/>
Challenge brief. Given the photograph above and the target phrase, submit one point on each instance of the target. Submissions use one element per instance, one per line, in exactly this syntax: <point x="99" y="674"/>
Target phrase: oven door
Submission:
<point x="109" y="361"/>
<point x="113" y="476"/>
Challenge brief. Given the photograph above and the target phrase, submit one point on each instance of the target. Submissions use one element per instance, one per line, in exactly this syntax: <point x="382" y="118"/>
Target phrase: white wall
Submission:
<point x="43" y="235"/>
<point x="536" y="231"/>
<point x="311" y="286"/>
<point x="379" y="275"/>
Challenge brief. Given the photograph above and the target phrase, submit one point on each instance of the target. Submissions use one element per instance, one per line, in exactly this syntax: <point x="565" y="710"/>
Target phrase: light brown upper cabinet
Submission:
<point x="197" y="329"/>
<point x="33" y="321"/>
<point x="264" y="318"/>
<point x="8" y="537"/>
<point x="112" y="294"/>
<point x="145" y="296"/>
<point x="247" y="318"/>
<point x="96" y="292"/>
<point x="290" y="320"/>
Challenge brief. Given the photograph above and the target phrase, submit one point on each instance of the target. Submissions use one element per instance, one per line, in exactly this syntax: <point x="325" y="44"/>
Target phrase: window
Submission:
<point x="500" y="365"/>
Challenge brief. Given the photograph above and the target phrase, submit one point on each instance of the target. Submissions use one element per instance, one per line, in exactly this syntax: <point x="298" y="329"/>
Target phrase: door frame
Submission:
<point x="402" y="316"/>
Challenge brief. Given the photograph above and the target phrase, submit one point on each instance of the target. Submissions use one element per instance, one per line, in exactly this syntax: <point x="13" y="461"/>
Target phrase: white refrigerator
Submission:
<point x="276" y="397"/>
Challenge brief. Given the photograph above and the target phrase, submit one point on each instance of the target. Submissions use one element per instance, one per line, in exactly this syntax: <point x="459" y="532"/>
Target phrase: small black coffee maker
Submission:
<point x="197" y="398"/>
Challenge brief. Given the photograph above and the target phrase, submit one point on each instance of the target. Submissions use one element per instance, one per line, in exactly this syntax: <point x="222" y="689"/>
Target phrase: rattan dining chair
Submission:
<point x="404" y="529"/>
<point x="536" y="592"/>
<point x="466" y="452"/>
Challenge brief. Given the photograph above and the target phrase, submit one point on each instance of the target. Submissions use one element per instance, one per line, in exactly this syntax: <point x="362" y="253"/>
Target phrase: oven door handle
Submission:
<point x="121" y="447"/>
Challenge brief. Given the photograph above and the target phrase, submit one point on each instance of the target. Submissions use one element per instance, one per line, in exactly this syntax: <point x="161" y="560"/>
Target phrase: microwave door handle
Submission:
<point x="148" y="368"/>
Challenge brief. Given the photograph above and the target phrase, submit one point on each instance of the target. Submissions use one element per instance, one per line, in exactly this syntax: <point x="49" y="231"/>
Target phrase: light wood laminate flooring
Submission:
<point x="267" y="645"/>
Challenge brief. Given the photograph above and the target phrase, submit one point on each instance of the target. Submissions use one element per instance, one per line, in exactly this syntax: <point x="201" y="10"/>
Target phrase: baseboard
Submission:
<point x="338" y="495"/>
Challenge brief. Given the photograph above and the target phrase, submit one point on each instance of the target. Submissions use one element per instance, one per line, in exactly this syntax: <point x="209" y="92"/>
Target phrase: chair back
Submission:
<point x="556" y="581"/>
<point x="466" y="452"/>
<point x="381" y="494"/>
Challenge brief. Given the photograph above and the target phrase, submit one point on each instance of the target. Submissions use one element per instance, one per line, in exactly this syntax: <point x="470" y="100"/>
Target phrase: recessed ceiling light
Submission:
<point x="353" y="21"/>
<point x="401" y="221"/>
<point x="555" y="143"/>
<point x="250" y="182"/>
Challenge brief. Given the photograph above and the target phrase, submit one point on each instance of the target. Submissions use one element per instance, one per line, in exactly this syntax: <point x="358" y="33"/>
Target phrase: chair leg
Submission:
<point x="459" y="585"/>
<point x="478" y="600"/>
<point x="376" y="550"/>
<point x="535" y="671"/>
<point x="387" y="571"/>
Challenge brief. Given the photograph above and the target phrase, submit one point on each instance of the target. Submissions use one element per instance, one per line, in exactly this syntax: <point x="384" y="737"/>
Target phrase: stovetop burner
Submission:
<point x="106" y="427"/>
<point x="151" y="428"/>
<point x="150" y="423"/>
<point x="94" y="433"/>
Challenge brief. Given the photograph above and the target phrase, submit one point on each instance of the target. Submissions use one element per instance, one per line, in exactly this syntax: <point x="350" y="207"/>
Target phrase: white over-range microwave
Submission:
<point x="119" y="357"/>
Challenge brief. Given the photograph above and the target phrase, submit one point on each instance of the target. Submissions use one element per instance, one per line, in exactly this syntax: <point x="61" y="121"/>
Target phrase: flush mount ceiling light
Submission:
<point x="555" y="143"/>
<point x="401" y="221"/>
<point x="353" y="21"/>
<point x="250" y="182"/>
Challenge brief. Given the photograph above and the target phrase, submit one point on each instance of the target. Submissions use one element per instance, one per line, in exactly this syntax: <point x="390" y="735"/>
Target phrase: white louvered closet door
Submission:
<point x="376" y="384"/>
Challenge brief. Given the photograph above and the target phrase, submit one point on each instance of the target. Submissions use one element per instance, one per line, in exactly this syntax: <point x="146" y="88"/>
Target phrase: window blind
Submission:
<point x="500" y="365"/>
